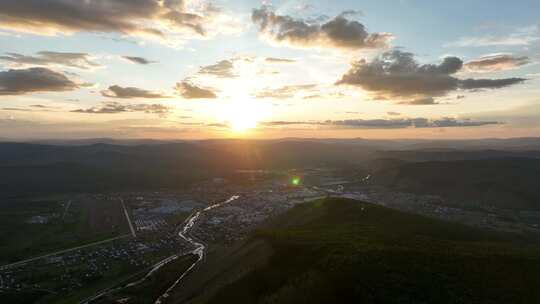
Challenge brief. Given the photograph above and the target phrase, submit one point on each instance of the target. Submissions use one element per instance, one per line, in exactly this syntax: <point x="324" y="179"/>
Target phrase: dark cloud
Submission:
<point x="134" y="17"/>
<point x="279" y="60"/>
<point x="474" y="84"/>
<point x="388" y="123"/>
<point x="46" y="58"/>
<point x="222" y="69"/>
<point x="116" y="107"/>
<point x="138" y="60"/>
<point x="497" y="62"/>
<point x="17" y="109"/>
<point x="23" y="81"/>
<point x="393" y="113"/>
<point x="396" y="75"/>
<point x="285" y="92"/>
<point x="116" y="91"/>
<point x="339" y="32"/>
<point x="420" y="101"/>
<point x="192" y="91"/>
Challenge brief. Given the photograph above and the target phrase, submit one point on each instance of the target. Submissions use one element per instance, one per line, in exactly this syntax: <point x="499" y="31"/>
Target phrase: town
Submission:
<point x="152" y="221"/>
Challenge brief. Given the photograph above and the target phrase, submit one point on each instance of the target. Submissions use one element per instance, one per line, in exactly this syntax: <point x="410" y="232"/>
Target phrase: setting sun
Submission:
<point x="244" y="115"/>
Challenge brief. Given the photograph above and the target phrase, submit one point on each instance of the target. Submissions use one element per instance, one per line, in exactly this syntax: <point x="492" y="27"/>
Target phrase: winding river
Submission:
<point x="199" y="247"/>
<point x="184" y="233"/>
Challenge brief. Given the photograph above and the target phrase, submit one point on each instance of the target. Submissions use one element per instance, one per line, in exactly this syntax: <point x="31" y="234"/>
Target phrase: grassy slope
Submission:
<point x="342" y="251"/>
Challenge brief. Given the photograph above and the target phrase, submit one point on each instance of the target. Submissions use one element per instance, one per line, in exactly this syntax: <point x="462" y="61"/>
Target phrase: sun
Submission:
<point x="242" y="123"/>
<point x="243" y="115"/>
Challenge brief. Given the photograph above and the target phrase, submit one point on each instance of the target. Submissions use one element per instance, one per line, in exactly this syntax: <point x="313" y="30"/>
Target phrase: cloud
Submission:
<point x="138" y="60"/>
<point x="116" y="107"/>
<point x="497" y="62"/>
<point x="279" y="60"/>
<point x="222" y="69"/>
<point x="116" y="91"/>
<point x="520" y="37"/>
<point x="241" y="66"/>
<point x="393" y="113"/>
<point x="398" y="123"/>
<point x="192" y="91"/>
<point x="474" y="84"/>
<point x="420" y="101"/>
<point x="157" y="18"/>
<point x="17" y="109"/>
<point x="218" y="125"/>
<point x="396" y="75"/>
<point x="336" y="33"/>
<point x="285" y="92"/>
<point x="23" y="81"/>
<point x="47" y="58"/>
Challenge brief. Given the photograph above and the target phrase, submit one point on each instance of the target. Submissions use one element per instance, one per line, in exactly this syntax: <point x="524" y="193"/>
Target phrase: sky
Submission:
<point x="196" y="69"/>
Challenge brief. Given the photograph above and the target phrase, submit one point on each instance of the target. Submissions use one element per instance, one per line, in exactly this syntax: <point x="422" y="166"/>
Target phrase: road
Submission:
<point x="19" y="263"/>
<point x="128" y="219"/>
<point x="66" y="210"/>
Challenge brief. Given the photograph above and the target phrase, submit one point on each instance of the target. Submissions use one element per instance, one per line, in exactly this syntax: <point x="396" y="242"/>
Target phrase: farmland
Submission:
<point x="36" y="226"/>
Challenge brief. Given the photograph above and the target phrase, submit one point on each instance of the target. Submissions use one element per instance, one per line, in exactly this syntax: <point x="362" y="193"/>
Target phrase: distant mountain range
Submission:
<point x="79" y="166"/>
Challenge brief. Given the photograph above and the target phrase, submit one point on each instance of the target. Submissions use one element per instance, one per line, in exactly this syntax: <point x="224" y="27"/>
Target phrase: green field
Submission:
<point x="345" y="251"/>
<point x="87" y="220"/>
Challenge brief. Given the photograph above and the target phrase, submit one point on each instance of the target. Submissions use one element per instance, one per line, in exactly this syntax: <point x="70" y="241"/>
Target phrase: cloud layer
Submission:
<point x="498" y="62"/>
<point x="285" y="92"/>
<point x="388" y="123"/>
<point x="134" y="17"/>
<point x="222" y="69"/>
<point x="138" y="60"/>
<point x="279" y="60"/>
<point x="191" y="91"/>
<point x="31" y="80"/>
<point x="116" y="91"/>
<point x="46" y="58"/>
<point x="396" y="75"/>
<point x="115" y="107"/>
<point x="337" y="33"/>
<point x="520" y="37"/>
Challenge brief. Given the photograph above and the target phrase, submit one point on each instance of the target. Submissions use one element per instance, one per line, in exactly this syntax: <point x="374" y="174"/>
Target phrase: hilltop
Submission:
<point x="346" y="251"/>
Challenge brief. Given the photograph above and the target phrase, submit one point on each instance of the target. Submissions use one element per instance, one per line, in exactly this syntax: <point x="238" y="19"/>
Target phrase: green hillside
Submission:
<point x="345" y="251"/>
